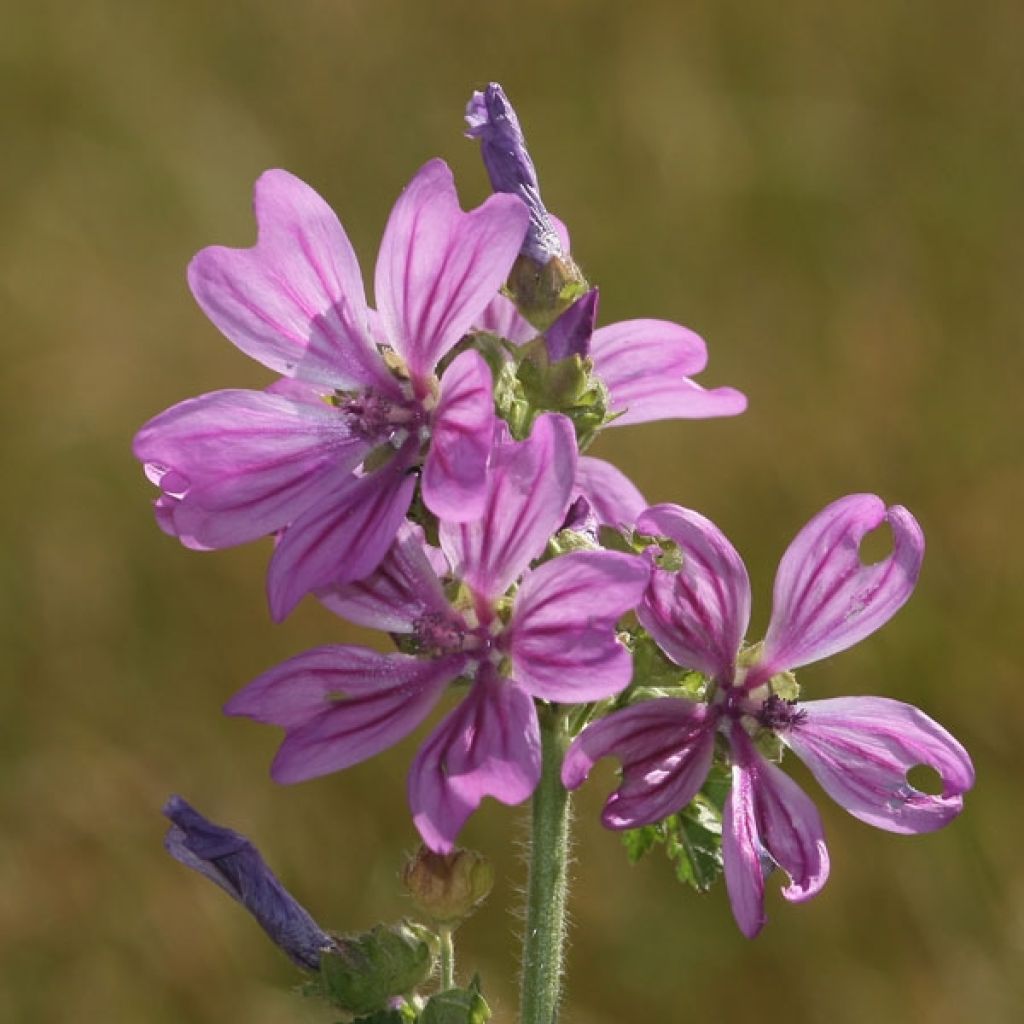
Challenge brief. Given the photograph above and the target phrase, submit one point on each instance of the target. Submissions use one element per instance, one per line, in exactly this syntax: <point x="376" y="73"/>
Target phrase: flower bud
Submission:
<point x="448" y="887"/>
<point x="362" y="973"/>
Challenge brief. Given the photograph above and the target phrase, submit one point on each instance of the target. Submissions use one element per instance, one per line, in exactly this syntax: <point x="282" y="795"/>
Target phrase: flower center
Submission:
<point x="375" y="417"/>
<point x="779" y="713"/>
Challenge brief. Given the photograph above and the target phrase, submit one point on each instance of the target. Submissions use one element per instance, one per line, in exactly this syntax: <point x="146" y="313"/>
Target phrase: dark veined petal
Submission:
<point x="295" y="300"/>
<point x="860" y="750"/>
<point x="438" y="267"/>
<point x="826" y="599"/>
<point x="561" y="637"/>
<point x="343" y="538"/>
<point x="528" y="490"/>
<point x="646" y="365"/>
<point x="488" y="746"/>
<point x="230" y="861"/>
<point x="766" y="812"/>
<point x="455" y="472"/>
<point x="239" y="465"/>
<point x="698" y="615"/>
<point x="665" y="746"/>
<point x="341" y="705"/>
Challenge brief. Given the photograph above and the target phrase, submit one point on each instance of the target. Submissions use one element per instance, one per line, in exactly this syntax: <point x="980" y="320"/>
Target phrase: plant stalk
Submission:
<point x="547" y="886"/>
<point x="447" y="958"/>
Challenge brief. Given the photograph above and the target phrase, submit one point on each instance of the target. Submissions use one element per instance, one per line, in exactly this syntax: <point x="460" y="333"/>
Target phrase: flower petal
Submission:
<point x="500" y="317"/>
<point x="528" y="491"/>
<point x="342" y="705"/>
<point x="860" y="750"/>
<point x="239" y="465"/>
<point x="399" y="591"/>
<point x="295" y="300"/>
<point x="646" y="366"/>
<point x="232" y="862"/>
<point x="439" y="267"/>
<point x="561" y="637"/>
<point x="455" y="474"/>
<point x="665" y="746"/>
<point x="825" y="598"/>
<point x="698" y="615"/>
<point x="766" y="812"/>
<point x="343" y="538"/>
<point x="613" y="497"/>
<point x="488" y="746"/>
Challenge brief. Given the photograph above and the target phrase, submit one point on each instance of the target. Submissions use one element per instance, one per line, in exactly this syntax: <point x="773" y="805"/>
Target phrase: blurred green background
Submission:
<point x="829" y="194"/>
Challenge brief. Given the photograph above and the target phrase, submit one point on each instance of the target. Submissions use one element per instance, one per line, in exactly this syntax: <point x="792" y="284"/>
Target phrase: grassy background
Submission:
<point x="830" y="194"/>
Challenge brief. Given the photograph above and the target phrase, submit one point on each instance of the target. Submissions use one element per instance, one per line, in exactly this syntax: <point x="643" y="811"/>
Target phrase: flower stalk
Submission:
<point x="447" y="956"/>
<point x="548" y="883"/>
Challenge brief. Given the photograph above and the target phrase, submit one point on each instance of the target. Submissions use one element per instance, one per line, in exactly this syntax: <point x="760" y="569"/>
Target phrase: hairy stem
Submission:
<point x="547" y="888"/>
<point x="447" y="958"/>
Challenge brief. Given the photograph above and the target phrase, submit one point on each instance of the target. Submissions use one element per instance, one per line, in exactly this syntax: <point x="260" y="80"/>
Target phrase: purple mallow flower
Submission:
<point x="491" y="119"/>
<point x="553" y="638"/>
<point x="232" y="862"/>
<point x="237" y="465"/>
<point x="860" y="749"/>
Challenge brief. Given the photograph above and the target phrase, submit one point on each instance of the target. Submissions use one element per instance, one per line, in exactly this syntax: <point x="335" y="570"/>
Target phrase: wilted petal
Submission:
<point x="488" y="746"/>
<point x="698" y="615"/>
<point x="455" y="474"/>
<point x="528" y="490"/>
<point x="767" y="812"/>
<point x="646" y="366"/>
<point x="343" y="538"/>
<point x="403" y="588"/>
<point x="341" y="705"/>
<point x="860" y="750"/>
<point x="439" y="267"/>
<point x="561" y="637"/>
<point x="826" y="599"/>
<point x="665" y="746"/>
<point x="295" y="300"/>
<point x="242" y="464"/>
<point x="611" y="494"/>
<point x="500" y="317"/>
<point x="232" y="862"/>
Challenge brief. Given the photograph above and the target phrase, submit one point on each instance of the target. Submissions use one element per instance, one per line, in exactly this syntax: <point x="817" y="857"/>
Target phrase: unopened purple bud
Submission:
<point x="232" y="862"/>
<point x="581" y="518"/>
<point x="491" y="119"/>
<point x="570" y="334"/>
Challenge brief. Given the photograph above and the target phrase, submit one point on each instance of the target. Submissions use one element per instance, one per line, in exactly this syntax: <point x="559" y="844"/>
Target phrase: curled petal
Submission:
<point x="230" y="861"/>
<point x="455" y="473"/>
<point x="343" y="538"/>
<point x="561" y="637"/>
<point x="238" y="465"/>
<point x="341" y="705"/>
<point x="571" y="332"/>
<point x="438" y="267"/>
<point x="402" y="589"/>
<point x="612" y="496"/>
<point x="528" y="491"/>
<point x="665" y="746"/>
<point x="295" y="300"/>
<point x="698" y="615"/>
<point x="767" y="813"/>
<point x="826" y="599"/>
<point x="860" y="750"/>
<point x="646" y="366"/>
<point x="488" y="746"/>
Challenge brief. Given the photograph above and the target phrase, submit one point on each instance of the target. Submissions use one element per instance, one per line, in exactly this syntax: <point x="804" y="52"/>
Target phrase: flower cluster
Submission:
<point x="419" y="466"/>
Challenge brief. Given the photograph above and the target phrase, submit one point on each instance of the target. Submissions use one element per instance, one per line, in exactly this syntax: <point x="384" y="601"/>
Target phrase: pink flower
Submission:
<point x="858" y="748"/>
<point x="237" y="465"/>
<point x="554" y="639"/>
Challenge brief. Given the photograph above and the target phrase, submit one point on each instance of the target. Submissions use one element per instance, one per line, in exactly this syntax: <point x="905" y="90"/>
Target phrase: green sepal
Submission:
<point x="364" y="971"/>
<point x="542" y="292"/>
<point x="457" y="1006"/>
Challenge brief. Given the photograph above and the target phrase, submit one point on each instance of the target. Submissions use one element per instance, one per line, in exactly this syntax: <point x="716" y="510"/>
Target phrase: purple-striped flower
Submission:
<point x="237" y="465"/>
<point x="860" y="749"/>
<point x="552" y="638"/>
<point x="231" y="861"/>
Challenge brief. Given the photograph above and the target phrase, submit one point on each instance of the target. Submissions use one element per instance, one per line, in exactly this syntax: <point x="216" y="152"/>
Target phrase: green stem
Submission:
<point x="547" y="888"/>
<point x="447" y="958"/>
